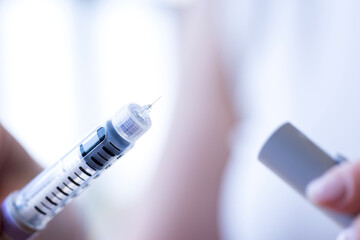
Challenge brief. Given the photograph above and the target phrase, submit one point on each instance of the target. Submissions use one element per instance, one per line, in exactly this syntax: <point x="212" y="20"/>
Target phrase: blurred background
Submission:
<point x="243" y="67"/>
<point x="66" y="66"/>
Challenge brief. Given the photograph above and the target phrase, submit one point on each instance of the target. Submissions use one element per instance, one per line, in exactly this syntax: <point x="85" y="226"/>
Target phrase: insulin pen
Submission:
<point x="298" y="161"/>
<point x="27" y="211"/>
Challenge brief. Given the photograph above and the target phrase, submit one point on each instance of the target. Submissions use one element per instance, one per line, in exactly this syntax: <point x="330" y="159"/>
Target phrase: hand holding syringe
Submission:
<point x="25" y="212"/>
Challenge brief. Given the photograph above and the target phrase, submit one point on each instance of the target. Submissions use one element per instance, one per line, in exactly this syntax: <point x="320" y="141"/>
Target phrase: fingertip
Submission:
<point x="348" y="234"/>
<point x="351" y="233"/>
<point x="312" y="190"/>
<point x="325" y="190"/>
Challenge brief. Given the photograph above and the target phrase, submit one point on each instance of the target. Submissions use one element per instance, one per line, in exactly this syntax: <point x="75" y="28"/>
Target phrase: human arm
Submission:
<point x="182" y="202"/>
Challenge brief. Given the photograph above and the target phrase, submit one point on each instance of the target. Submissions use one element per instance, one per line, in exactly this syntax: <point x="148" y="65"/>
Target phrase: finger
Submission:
<point x="338" y="189"/>
<point x="16" y="165"/>
<point x="351" y="233"/>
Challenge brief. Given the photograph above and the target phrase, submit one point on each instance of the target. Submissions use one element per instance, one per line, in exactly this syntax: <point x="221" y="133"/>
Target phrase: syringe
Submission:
<point x="26" y="212"/>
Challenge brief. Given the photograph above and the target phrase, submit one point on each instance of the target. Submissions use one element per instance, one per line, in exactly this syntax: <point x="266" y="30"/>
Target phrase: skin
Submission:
<point x="339" y="190"/>
<point x="184" y="197"/>
<point x="16" y="169"/>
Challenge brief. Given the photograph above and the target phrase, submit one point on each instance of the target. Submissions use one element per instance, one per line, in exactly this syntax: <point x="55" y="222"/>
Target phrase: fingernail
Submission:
<point x="325" y="189"/>
<point x="347" y="234"/>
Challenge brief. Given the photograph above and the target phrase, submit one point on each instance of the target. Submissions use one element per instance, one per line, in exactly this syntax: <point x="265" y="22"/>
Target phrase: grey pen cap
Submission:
<point x="297" y="160"/>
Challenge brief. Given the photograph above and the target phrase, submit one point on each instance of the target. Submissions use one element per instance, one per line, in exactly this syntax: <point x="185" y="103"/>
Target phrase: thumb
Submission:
<point x="16" y="165"/>
<point x="338" y="189"/>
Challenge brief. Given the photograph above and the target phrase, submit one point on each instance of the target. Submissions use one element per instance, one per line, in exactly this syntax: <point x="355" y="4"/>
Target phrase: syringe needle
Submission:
<point x="149" y="106"/>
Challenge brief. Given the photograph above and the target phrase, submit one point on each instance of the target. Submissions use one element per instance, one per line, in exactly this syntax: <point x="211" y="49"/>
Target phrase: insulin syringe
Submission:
<point x="27" y="211"/>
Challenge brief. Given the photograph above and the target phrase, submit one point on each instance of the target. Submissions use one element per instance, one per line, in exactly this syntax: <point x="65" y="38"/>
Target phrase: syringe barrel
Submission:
<point x="40" y="200"/>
